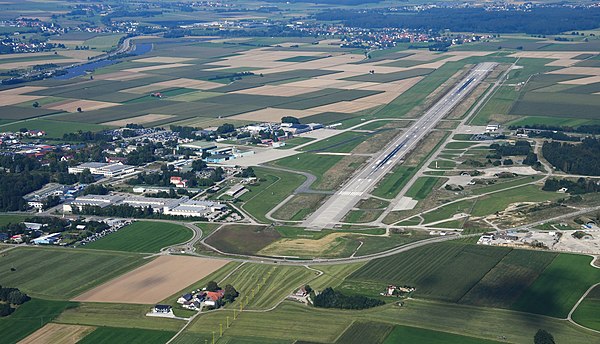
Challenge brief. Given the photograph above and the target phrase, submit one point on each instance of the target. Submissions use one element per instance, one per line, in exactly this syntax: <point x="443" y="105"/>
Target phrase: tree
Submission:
<point x="225" y="128"/>
<point x="36" y="104"/>
<point x="198" y="165"/>
<point x="543" y="337"/>
<point x="230" y="293"/>
<point x="79" y="109"/>
<point x="212" y="286"/>
<point x="290" y="119"/>
<point x="247" y="173"/>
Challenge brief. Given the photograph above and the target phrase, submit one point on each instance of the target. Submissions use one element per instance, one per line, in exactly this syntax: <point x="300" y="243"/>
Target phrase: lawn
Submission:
<point x="559" y="286"/>
<point x="109" y="335"/>
<point x="243" y="239"/>
<point x="309" y="162"/>
<point x="143" y="236"/>
<point x="501" y="200"/>
<point x="29" y="317"/>
<point x="296" y="141"/>
<point x="62" y="273"/>
<point x="588" y="310"/>
<point x="274" y="186"/>
<point x="415" y="335"/>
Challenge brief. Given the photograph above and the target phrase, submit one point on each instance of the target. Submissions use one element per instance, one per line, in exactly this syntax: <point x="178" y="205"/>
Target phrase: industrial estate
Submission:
<point x="335" y="172"/>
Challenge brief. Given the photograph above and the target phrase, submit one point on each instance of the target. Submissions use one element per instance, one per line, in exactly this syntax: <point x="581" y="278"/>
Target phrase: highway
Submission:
<point x="334" y="209"/>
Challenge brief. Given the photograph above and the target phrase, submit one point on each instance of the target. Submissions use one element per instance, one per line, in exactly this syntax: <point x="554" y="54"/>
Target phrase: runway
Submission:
<point x="334" y="209"/>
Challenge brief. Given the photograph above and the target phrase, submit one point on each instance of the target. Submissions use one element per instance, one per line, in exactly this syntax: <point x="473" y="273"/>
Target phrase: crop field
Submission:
<point x="559" y="286"/>
<point x="390" y="77"/>
<point x="503" y="284"/>
<point x="108" y="335"/>
<point x="62" y="273"/>
<point x="424" y="336"/>
<point x="442" y="271"/>
<point x="58" y="333"/>
<point x="242" y="239"/>
<point x="160" y="278"/>
<point x="588" y="310"/>
<point x="30" y="317"/>
<point x="115" y="315"/>
<point x="143" y="236"/>
<point x="568" y="105"/>
<point x="276" y="282"/>
<point x="273" y="188"/>
<point x="365" y="332"/>
<point x="330" y="245"/>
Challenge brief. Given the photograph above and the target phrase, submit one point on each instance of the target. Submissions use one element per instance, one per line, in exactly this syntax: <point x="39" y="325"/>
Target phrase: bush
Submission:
<point x="333" y="299"/>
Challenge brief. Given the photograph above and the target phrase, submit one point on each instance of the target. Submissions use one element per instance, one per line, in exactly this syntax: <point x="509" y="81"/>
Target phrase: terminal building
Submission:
<point x="108" y="170"/>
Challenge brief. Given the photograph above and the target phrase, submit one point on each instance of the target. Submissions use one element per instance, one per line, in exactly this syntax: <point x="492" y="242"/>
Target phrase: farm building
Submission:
<point x="163" y="309"/>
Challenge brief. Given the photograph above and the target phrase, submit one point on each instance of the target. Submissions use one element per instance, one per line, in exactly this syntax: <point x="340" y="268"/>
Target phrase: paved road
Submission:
<point x="339" y="204"/>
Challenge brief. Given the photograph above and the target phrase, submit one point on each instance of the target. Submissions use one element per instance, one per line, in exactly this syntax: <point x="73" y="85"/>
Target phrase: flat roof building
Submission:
<point x="108" y="170"/>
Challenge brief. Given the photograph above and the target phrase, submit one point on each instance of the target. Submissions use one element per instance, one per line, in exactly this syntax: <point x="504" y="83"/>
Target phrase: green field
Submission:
<point x="116" y="315"/>
<point x="499" y="103"/>
<point x="309" y="162"/>
<point x="276" y="282"/>
<point x="29" y="317"/>
<point x="559" y="287"/>
<point x="6" y="219"/>
<point x="393" y="182"/>
<point x="445" y="271"/>
<point x="422" y="187"/>
<point x="274" y="186"/>
<point x="342" y="143"/>
<point x="243" y="239"/>
<point x="143" y="236"/>
<point x="53" y="129"/>
<point x="588" y="310"/>
<point x="405" y="334"/>
<point x="109" y="335"/>
<point x="62" y="273"/>
<point x="365" y="332"/>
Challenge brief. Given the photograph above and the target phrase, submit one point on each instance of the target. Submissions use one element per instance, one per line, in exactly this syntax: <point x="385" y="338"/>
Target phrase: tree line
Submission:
<point x="10" y="297"/>
<point x="330" y="298"/>
<point x="583" y="159"/>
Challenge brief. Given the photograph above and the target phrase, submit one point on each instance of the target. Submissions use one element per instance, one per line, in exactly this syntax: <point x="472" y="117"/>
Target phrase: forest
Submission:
<point x="540" y="20"/>
<point x="583" y="159"/>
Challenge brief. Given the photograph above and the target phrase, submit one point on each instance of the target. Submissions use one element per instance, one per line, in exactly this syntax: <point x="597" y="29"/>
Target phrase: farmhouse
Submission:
<point x="163" y="309"/>
<point x="212" y="297"/>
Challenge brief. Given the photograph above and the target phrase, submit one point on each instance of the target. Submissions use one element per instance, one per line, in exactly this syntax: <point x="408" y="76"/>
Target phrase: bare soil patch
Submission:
<point x="17" y="99"/>
<point x="154" y="281"/>
<point x="330" y="245"/>
<point x="58" y="334"/>
<point x="21" y="90"/>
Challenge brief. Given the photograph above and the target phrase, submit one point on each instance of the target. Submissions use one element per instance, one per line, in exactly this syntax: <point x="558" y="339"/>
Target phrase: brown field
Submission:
<point x="27" y="64"/>
<point x="278" y="91"/>
<point x="274" y="114"/>
<point x="582" y="81"/>
<point x="138" y="120"/>
<point x="183" y="82"/>
<point x="21" y="90"/>
<point x="153" y="282"/>
<point x="300" y="201"/>
<point x="591" y="71"/>
<point x="17" y="99"/>
<point x="120" y="76"/>
<point x="71" y="105"/>
<point x="163" y="59"/>
<point x="345" y="107"/>
<point x="81" y="55"/>
<point x="58" y="334"/>
<point x="162" y="66"/>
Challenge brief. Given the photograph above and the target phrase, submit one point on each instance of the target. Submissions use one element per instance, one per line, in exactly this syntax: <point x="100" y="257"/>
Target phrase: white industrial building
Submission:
<point x="108" y="170"/>
<point x="169" y="206"/>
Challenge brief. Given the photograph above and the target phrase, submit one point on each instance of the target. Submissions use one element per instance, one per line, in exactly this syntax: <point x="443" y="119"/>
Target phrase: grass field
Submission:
<point x="242" y="239"/>
<point x="342" y="143"/>
<point x="109" y="335"/>
<point x="498" y="105"/>
<point x="6" y="219"/>
<point x="559" y="286"/>
<point x="588" y="310"/>
<point x="273" y="188"/>
<point x="309" y="162"/>
<point x="53" y="129"/>
<point x="143" y="236"/>
<point x="405" y="334"/>
<point x="62" y="273"/>
<point x="29" y="317"/>
<point x="393" y="182"/>
<point x="422" y="187"/>
<point x="116" y="315"/>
